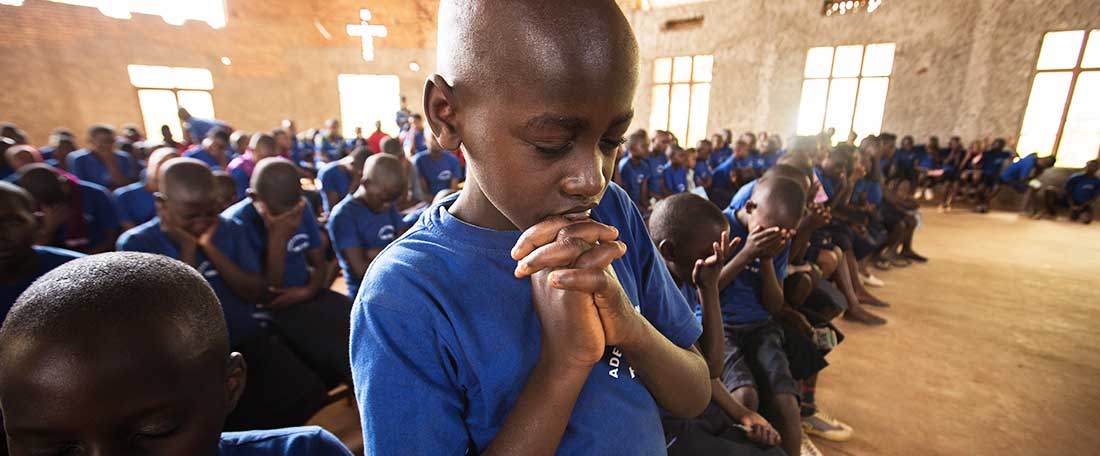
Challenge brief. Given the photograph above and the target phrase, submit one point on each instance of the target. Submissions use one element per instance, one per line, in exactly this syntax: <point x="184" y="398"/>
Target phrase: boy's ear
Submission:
<point x="251" y="193"/>
<point x="667" y="249"/>
<point x="236" y="376"/>
<point x="750" y="207"/>
<point x="439" y="108"/>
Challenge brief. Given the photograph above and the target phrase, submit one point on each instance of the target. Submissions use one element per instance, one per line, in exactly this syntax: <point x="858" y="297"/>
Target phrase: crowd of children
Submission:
<point x="505" y="299"/>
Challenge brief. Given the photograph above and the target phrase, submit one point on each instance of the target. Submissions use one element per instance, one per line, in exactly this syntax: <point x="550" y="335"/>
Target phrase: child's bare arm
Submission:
<point x="771" y="293"/>
<point x="705" y="276"/>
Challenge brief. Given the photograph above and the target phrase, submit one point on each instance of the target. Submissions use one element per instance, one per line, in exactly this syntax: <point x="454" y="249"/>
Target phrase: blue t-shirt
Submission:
<point x="333" y="149"/>
<point x="907" y="159"/>
<point x="741" y="198"/>
<point x="48" y="259"/>
<point x="353" y="224"/>
<point x="416" y="143"/>
<point x="719" y="156"/>
<point x="742" y="163"/>
<point x="229" y="239"/>
<point x="762" y="162"/>
<point x="867" y="191"/>
<point x="992" y="162"/>
<point x="308" y="237"/>
<point x="1020" y="170"/>
<point x="438" y="172"/>
<point x="676" y="179"/>
<point x="1082" y="188"/>
<point x="87" y="167"/>
<point x="100" y="215"/>
<point x="721" y="175"/>
<point x="741" y="298"/>
<point x="826" y="182"/>
<point x="199" y="127"/>
<point x="444" y="338"/>
<point x="634" y="176"/>
<point x="334" y="178"/>
<point x="657" y="165"/>
<point x="202" y="155"/>
<point x="136" y="204"/>
<point x="702" y="172"/>
<point x="306" y="440"/>
<point x="691" y="295"/>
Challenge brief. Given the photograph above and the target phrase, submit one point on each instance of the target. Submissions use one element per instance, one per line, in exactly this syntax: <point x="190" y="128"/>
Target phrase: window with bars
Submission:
<point x="844" y="88"/>
<point x="163" y="90"/>
<point x="1063" y="110"/>
<point x="681" y="96"/>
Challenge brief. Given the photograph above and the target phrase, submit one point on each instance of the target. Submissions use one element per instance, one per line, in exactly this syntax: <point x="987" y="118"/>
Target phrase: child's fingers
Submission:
<point x="582" y="280"/>
<point x="540" y="234"/>
<point x="562" y="252"/>
<point x="600" y="256"/>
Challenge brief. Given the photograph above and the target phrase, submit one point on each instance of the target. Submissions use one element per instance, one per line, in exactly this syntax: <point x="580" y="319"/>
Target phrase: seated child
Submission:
<point x="658" y="162"/>
<point x="1021" y="175"/>
<point x="415" y="142"/>
<point x="634" y="172"/>
<point x="720" y="152"/>
<point x="703" y="175"/>
<point x="329" y="145"/>
<point x="769" y="156"/>
<point x="261" y="146"/>
<point x="675" y="176"/>
<point x="62" y="143"/>
<point x="1079" y="194"/>
<point x="341" y="177"/>
<point x="21" y="262"/>
<point x="225" y="190"/>
<point x="139" y="364"/>
<point x="366" y="222"/>
<point x="18" y="156"/>
<point x="188" y="228"/>
<point x="280" y="224"/>
<point x="135" y="202"/>
<point x="102" y="163"/>
<point x="752" y="295"/>
<point x="438" y="169"/>
<point x="742" y="170"/>
<point x="574" y="348"/>
<point x="76" y="215"/>
<point x="214" y="150"/>
<point x="694" y="254"/>
<point x="990" y="163"/>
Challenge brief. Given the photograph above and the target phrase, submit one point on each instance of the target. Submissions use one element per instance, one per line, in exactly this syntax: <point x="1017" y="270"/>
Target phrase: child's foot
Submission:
<point x="826" y="427"/>
<point x="881" y="264"/>
<point x="917" y="194"/>
<point x="898" y="262"/>
<point x="872" y="281"/>
<point x="865" y="298"/>
<point x="928" y="195"/>
<point x="911" y="255"/>
<point x="808" y="448"/>
<point x="865" y="317"/>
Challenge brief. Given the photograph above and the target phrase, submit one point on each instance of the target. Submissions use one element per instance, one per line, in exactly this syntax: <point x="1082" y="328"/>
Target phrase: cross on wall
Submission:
<point x="368" y="32"/>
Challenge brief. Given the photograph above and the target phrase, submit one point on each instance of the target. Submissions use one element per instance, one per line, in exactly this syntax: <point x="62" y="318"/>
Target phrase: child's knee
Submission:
<point x="747" y="396"/>
<point x="787" y="404"/>
<point x="828" y="260"/>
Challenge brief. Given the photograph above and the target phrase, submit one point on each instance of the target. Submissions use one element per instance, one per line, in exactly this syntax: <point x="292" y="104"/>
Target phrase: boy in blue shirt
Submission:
<point x="1021" y="175"/>
<point x="675" y="176"/>
<point x="139" y="364"/>
<point x="721" y="152"/>
<point x="991" y="162"/>
<point x="188" y="228"/>
<point x="214" y="150"/>
<point x="367" y="220"/>
<point x="658" y="162"/>
<point x="101" y="163"/>
<point x="438" y="170"/>
<point x="341" y="177"/>
<point x="698" y="164"/>
<point x="330" y="145"/>
<point x="1078" y="194"/>
<point x="634" y="172"/>
<point x="77" y="215"/>
<point x="695" y="254"/>
<point x="415" y="142"/>
<point x="197" y="129"/>
<point x="261" y="146"/>
<point x="135" y="202"/>
<point x="280" y="225"/>
<point x="21" y="262"/>
<point x="459" y="348"/>
<point x="769" y="156"/>
<point x="752" y="294"/>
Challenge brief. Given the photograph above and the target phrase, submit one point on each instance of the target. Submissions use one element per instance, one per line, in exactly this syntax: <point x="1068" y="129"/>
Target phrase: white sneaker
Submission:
<point x="928" y="194"/>
<point x="917" y="194"/>
<point x="808" y="447"/>
<point x="871" y="281"/>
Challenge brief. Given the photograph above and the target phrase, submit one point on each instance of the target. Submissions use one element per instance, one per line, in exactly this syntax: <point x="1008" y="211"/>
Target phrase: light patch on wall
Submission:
<point x="226" y="61"/>
<point x="174" y="12"/>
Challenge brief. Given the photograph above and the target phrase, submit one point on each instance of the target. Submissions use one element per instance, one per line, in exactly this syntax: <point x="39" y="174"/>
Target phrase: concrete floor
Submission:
<point x="992" y="348"/>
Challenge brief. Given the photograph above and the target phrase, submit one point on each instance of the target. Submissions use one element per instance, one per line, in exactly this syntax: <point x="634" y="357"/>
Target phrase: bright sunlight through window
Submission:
<point x="844" y="88"/>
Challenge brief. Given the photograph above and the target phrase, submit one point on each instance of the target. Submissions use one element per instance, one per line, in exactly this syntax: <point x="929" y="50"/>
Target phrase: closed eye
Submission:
<point x="610" y="144"/>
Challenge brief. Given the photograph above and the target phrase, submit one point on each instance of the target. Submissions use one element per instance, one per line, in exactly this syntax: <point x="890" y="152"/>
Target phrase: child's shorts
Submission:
<point x="989" y="179"/>
<point x="711" y="433"/>
<point x="755" y="357"/>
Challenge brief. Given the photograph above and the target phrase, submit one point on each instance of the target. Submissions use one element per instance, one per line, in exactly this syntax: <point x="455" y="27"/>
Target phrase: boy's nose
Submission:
<point x="586" y="179"/>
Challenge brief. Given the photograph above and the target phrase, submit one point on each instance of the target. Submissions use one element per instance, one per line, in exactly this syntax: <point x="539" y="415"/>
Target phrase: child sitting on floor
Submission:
<point x="139" y="364"/>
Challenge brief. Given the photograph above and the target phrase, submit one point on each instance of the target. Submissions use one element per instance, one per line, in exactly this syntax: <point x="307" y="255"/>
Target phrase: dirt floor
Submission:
<point x="992" y="348"/>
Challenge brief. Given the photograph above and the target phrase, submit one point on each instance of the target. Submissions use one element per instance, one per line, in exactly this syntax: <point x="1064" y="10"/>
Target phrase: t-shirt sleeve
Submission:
<point x="310" y="227"/>
<point x="125" y="214"/>
<point x="341" y="228"/>
<point x="132" y="241"/>
<point x="105" y="210"/>
<point x="242" y="180"/>
<point x="240" y="249"/>
<point x="328" y="180"/>
<point x="662" y="303"/>
<point x="408" y="397"/>
<point x="325" y="444"/>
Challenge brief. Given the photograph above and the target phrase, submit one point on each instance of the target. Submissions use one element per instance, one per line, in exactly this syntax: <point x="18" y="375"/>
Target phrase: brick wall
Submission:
<point x="65" y="65"/>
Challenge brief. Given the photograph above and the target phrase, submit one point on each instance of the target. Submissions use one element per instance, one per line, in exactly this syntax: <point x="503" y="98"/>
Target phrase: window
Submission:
<point x="650" y="4"/>
<point x="845" y="89"/>
<point x="367" y="98"/>
<point x="681" y="96"/>
<point x="163" y="90"/>
<point x="174" y="12"/>
<point x="1063" y="115"/>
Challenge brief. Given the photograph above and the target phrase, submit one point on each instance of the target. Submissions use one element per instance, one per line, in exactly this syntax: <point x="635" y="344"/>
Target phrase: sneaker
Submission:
<point x="826" y="427"/>
<point x="808" y="447"/>
<point x="914" y="256"/>
<point x="916" y="195"/>
<point x="928" y="195"/>
<point x="871" y="281"/>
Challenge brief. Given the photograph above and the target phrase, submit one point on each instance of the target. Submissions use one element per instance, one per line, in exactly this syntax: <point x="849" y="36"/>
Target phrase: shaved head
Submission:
<point x="385" y="170"/>
<point x="43" y="182"/>
<point x="186" y="178"/>
<point x="275" y="182"/>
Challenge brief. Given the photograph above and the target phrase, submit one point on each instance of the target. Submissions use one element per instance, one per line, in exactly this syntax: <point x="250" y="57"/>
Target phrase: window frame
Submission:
<point x="691" y="83"/>
<point x="859" y="77"/>
<point x="175" y="94"/>
<point x="1075" y="73"/>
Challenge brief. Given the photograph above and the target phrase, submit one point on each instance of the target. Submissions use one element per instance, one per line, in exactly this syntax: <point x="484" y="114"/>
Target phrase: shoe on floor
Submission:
<point x="808" y="447"/>
<point x="899" y="262"/>
<point x="826" y="427"/>
<point x="872" y="281"/>
<point x="917" y="194"/>
<point x="914" y="256"/>
<point x="928" y="195"/>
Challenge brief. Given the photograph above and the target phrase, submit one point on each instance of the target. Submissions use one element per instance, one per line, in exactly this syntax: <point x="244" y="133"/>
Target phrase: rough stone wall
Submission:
<point x="961" y="67"/>
<point x="65" y="65"/>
